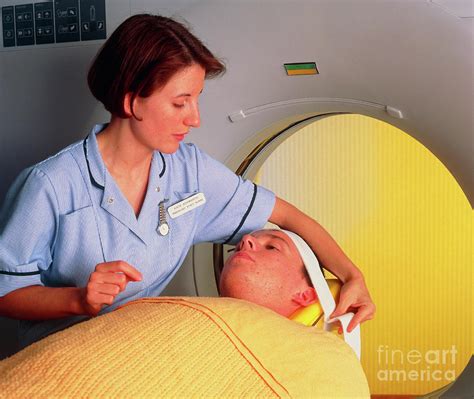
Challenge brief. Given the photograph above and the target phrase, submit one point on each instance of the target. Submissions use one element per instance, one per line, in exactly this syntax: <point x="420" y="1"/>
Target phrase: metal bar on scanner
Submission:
<point x="242" y="114"/>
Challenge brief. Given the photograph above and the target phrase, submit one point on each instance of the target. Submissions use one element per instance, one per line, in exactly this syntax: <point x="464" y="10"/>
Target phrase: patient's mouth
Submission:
<point x="244" y="255"/>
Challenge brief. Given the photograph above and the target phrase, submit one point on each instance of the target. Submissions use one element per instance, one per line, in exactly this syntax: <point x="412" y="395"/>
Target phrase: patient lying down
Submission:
<point x="199" y="347"/>
<point x="266" y="268"/>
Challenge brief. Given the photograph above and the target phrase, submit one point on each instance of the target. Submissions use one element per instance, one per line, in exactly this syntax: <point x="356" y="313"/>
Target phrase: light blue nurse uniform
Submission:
<point x="66" y="214"/>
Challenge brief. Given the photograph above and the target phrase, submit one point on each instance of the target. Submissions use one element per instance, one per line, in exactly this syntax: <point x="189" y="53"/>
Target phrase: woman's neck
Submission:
<point x="122" y="153"/>
<point x="127" y="161"/>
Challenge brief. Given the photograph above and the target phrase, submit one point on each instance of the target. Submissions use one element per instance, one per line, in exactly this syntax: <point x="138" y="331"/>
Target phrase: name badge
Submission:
<point x="186" y="205"/>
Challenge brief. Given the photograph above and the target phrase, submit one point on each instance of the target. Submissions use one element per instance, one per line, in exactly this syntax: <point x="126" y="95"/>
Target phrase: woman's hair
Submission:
<point x="141" y="55"/>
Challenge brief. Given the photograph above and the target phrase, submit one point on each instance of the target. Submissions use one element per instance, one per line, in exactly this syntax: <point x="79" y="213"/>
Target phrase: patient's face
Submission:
<point x="266" y="269"/>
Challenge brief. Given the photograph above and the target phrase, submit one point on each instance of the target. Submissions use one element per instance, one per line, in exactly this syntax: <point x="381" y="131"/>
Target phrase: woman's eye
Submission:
<point x="272" y="247"/>
<point x="179" y="105"/>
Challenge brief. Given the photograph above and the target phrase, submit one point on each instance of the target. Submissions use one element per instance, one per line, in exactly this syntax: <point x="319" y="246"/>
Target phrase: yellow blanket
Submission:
<point x="182" y="348"/>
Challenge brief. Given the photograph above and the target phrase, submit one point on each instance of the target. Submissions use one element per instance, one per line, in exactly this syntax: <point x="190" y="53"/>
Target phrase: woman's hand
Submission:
<point x="105" y="283"/>
<point x="354" y="297"/>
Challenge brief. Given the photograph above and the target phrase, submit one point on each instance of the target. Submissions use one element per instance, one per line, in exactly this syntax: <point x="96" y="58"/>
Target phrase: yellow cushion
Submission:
<point x="186" y="347"/>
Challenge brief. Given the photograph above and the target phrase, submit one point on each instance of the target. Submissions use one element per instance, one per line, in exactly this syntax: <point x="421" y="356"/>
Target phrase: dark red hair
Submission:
<point x="141" y="55"/>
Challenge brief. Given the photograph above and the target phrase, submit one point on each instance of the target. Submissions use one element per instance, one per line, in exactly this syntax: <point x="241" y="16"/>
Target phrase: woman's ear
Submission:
<point x="127" y="105"/>
<point x="306" y="297"/>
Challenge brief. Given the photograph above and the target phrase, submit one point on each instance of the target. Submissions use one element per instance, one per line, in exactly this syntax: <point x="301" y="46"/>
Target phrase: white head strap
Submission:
<point x="324" y="294"/>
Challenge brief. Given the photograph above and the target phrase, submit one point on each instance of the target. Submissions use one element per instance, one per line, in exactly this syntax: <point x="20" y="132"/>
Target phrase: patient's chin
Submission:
<point x="235" y="284"/>
<point x="231" y="292"/>
<point x="227" y="289"/>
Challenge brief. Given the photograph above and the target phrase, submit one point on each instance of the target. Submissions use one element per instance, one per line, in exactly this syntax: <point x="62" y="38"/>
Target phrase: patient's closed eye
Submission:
<point x="270" y="246"/>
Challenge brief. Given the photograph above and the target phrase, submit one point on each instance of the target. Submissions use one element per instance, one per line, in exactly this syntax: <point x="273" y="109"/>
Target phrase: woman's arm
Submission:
<point x="41" y="303"/>
<point x="354" y="294"/>
<point x="36" y="302"/>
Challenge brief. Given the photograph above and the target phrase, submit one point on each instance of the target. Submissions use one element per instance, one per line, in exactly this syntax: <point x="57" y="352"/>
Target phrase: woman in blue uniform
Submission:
<point x="110" y="218"/>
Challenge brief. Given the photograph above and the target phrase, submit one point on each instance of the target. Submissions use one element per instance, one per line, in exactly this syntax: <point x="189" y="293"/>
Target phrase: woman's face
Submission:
<point x="169" y="112"/>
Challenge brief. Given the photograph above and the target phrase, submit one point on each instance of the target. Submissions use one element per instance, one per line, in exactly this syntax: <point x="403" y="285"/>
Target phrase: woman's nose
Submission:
<point x="193" y="119"/>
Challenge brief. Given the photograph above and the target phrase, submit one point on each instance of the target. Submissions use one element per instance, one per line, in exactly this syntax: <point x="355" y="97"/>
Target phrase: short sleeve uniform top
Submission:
<point x="66" y="214"/>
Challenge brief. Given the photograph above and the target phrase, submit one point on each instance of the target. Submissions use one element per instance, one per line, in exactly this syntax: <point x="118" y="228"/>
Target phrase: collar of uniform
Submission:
<point x="154" y="192"/>
<point x="94" y="160"/>
<point x="96" y="164"/>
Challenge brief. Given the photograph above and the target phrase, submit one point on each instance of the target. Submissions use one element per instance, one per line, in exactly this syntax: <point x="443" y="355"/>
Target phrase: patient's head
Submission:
<point x="267" y="269"/>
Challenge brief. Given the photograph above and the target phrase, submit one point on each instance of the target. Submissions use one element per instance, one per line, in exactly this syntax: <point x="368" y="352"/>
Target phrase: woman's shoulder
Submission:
<point x="61" y="161"/>
<point x="58" y="175"/>
<point x="189" y="152"/>
<point x="183" y="157"/>
<point x="186" y="150"/>
<point x="60" y="171"/>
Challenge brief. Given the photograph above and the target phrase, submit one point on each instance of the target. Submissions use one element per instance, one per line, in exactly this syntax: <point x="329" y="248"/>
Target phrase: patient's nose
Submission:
<point x="248" y="243"/>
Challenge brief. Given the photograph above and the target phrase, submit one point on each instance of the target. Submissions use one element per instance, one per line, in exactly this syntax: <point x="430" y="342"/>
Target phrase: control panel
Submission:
<point x="57" y="21"/>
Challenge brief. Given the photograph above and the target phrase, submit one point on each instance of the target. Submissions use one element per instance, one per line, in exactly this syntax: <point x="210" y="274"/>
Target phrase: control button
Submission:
<point x="72" y="12"/>
<point x="28" y="32"/>
<point x="9" y="34"/>
<point x="92" y="13"/>
<point x="19" y="17"/>
<point x="61" y="13"/>
<point x="19" y="32"/>
<point x="85" y="27"/>
<point x="39" y="31"/>
<point x="47" y="14"/>
<point x="27" y="16"/>
<point x="39" y="14"/>
<point x="7" y="18"/>
<point x="63" y="29"/>
<point x="100" y="25"/>
<point x="72" y="28"/>
<point x="48" y="30"/>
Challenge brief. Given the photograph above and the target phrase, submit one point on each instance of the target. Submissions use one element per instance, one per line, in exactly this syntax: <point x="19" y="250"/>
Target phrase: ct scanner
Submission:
<point x="406" y="62"/>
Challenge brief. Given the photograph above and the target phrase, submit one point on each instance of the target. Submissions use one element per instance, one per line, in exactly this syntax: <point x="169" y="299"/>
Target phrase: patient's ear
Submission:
<point x="306" y="297"/>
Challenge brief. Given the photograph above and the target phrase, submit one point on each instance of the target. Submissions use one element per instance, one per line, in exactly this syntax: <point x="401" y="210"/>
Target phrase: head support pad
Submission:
<point x="324" y="294"/>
